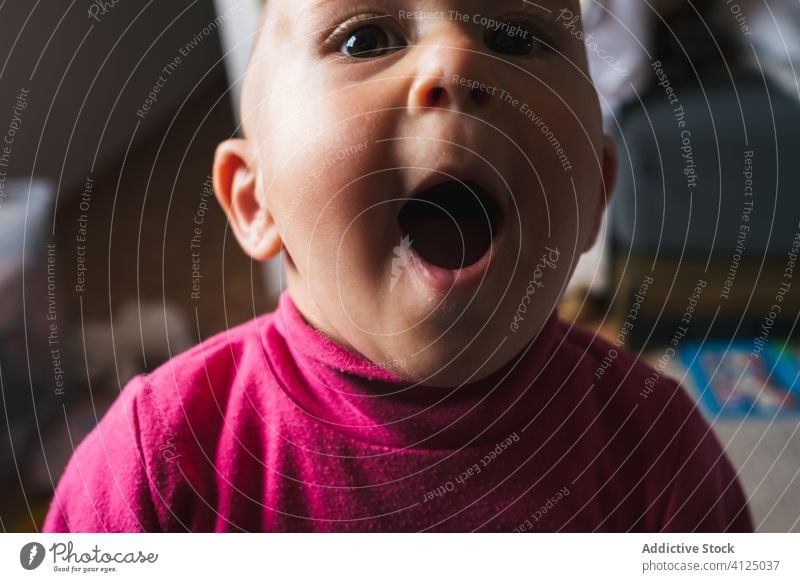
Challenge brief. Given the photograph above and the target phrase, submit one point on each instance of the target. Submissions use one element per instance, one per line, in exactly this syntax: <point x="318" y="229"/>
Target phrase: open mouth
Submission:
<point x="452" y="224"/>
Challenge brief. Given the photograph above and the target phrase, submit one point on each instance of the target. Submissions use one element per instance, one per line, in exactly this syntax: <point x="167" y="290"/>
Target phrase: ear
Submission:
<point x="609" y="181"/>
<point x="238" y="189"/>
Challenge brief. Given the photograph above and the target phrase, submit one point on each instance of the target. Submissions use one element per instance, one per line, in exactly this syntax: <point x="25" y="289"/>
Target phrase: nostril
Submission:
<point x="435" y="96"/>
<point x="439" y="96"/>
<point x="480" y="97"/>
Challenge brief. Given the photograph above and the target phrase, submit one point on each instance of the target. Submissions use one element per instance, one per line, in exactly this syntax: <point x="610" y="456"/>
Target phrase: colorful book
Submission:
<point x="734" y="381"/>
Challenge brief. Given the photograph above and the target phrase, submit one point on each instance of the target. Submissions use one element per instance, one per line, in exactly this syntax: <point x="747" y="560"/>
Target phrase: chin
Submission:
<point x="453" y="361"/>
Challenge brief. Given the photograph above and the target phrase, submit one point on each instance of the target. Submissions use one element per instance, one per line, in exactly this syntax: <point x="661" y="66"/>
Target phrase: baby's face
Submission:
<point x="433" y="171"/>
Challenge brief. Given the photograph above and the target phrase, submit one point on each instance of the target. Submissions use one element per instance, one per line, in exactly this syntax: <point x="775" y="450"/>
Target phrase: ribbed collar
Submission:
<point x="347" y="392"/>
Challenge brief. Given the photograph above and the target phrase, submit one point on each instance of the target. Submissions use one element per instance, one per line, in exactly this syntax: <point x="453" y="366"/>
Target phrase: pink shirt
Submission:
<point x="272" y="427"/>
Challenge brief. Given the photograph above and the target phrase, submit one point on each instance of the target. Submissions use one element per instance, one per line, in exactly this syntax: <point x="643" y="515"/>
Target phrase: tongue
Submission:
<point x="451" y="225"/>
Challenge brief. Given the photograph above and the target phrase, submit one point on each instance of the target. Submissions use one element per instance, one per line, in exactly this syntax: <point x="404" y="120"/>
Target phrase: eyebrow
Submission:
<point x="319" y="3"/>
<point x="573" y="3"/>
<point x="536" y="3"/>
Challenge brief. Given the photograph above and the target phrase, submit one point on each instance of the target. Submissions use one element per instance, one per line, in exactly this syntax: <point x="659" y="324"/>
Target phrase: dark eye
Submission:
<point x="512" y="39"/>
<point x="371" y="41"/>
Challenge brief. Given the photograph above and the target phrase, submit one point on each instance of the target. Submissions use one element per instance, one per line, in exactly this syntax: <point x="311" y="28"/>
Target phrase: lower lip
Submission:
<point x="442" y="280"/>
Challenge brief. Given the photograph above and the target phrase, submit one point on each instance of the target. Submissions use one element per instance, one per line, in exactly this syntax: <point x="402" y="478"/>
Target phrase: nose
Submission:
<point x="453" y="75"/>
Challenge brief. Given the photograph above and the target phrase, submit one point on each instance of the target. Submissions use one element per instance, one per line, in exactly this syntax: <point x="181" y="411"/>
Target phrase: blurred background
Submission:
<point x="114" y="255"/>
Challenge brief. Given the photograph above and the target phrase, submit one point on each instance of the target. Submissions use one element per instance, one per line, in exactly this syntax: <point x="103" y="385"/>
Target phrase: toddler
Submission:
<point x="430" y="173"/>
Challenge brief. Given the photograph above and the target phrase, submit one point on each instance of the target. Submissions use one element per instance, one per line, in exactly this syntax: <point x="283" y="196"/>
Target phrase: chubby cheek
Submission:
<point x="337" y="214"/>
<point x="562" y="143"/>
